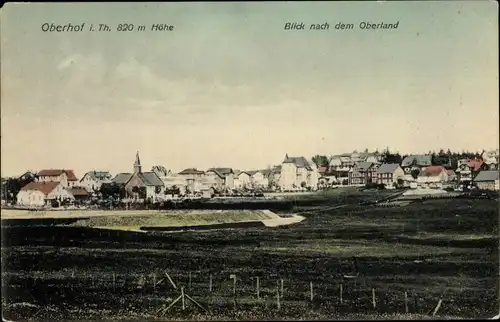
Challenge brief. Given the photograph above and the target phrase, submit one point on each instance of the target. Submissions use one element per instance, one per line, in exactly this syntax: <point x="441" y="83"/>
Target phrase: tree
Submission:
<point x="320" y="160"/>
<point x="112" y="190"/>
<point x="389" y="157"/>
<point x="303" y="184"/>
<point x="13" y="185"/>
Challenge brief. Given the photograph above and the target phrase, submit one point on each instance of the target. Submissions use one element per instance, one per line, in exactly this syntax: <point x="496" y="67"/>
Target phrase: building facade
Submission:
<point x="67" y="178"/>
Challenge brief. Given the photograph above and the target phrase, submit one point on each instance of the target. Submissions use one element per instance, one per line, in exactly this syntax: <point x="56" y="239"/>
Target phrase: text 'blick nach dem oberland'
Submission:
<point x="364" y="25"/>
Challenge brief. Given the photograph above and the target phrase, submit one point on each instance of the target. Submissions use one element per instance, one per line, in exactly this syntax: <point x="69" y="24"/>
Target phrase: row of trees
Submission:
<point x="442" y="157"/>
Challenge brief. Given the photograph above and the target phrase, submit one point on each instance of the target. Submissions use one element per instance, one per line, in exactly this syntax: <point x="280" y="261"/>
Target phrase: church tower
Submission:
<point x="137" y="164"/>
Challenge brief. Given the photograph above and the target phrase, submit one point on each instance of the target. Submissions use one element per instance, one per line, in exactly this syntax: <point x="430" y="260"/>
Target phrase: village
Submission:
<point x="441" y="171"/>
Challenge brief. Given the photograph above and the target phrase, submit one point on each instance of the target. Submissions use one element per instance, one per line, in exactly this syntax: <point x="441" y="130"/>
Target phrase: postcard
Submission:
<point x="249" y="160"/>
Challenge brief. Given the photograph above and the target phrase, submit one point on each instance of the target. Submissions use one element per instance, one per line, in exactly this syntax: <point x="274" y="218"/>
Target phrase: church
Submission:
<point x="141" y="185"/>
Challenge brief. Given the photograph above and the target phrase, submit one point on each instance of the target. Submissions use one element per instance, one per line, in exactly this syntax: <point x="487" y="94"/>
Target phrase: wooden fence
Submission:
<point x="200" y="291"/>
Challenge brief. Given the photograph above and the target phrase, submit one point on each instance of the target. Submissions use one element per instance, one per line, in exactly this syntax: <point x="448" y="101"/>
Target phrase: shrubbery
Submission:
<point x="373" y="185"/>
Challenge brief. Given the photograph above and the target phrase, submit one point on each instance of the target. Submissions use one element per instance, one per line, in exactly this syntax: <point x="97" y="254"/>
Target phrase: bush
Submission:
<point x="372" y="185"/>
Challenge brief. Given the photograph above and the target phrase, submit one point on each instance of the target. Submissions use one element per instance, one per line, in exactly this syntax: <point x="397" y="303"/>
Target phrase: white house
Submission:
<point x="433" y="177"/>
<point x="340" y="165"/>
<point x="242" y="179"/>
<point x="490" y="157"/>
<point x="259" y="179"/>
<point x="297" y="173"/>
<point x="224" y="177"/>
<point x="194" y="179"/>
<point x="37" y="194"/>
<point x="66" y="177"/>
<point x="93" y="180"/>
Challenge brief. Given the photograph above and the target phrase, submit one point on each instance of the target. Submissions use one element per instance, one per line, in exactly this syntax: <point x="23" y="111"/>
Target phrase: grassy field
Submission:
<point x="439" y="249"/>
<point x="173" y="219"/>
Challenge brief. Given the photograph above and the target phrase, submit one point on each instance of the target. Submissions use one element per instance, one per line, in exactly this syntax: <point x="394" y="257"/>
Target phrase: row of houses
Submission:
<point x="294" y="173"/>
<point x="414" y="171"/>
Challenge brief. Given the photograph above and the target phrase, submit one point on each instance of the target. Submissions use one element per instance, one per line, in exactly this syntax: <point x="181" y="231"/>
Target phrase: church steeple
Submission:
<point x="137" y="164"/>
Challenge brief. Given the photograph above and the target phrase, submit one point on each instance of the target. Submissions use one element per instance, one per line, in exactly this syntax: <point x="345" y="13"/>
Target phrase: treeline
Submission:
<point x="443" y="157"/>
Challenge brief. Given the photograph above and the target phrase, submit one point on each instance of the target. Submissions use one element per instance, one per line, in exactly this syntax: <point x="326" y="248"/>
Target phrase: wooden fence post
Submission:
<point x="278" y="298"/>
<point x="312" y="293"/>
<point x="373" y="299"/>
<point x="233" y="276"/>
<point x="183" y="300"/>
<point x="406" y="302"/>
<point x="258" y="290"/>
<point x="114" y="281"/>
<point x="210" y="284"/>
<point x="437" y="307"/>
<point x="341" y="291"/>
<point x="154" y="282"/>
<point x="281" y="281"/>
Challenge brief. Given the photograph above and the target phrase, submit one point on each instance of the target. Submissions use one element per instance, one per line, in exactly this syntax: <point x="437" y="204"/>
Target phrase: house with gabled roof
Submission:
<point x="259" y="178"/>
<point x="242" y="179"/>
<point x="298" y="173"/>
<point x="362" y="173"/>
<point x="221" y="178"/>
<point x="194" y="179"/>
<point x="389" y="174"/>
<point x="469" y="168"/>
<point x="488" y="180"/>
<point x="66" y="177"/>
<point x="415" y="162"/>
<point x="140" y="185"/>
<point x="93" y="180"/>
<point x="433" y="177"/>
<point x="38" y="194"/>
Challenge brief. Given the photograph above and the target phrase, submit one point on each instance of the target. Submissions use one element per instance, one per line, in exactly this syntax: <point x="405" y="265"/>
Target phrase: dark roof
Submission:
<point x="122" y="178"/>
<point x="388" y="168"/>
<point x="300" y="162"/>
<point x="487" y="175"/>
<point x="191" y="171"/>
<point x="151" y="179"/>
<point x="80" y="192"/>
<point x="148" y="178"/>
<point x="421" y="160"/>
<point x="276" y="169"/>
<point x="98" y="175"/>
<point x="221" y="172"/>
<point x="58" y="172"/>
<point x="364" y="166"/>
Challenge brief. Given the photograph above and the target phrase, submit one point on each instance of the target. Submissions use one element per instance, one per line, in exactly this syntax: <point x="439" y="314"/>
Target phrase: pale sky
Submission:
<point x="230" y="87"/>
